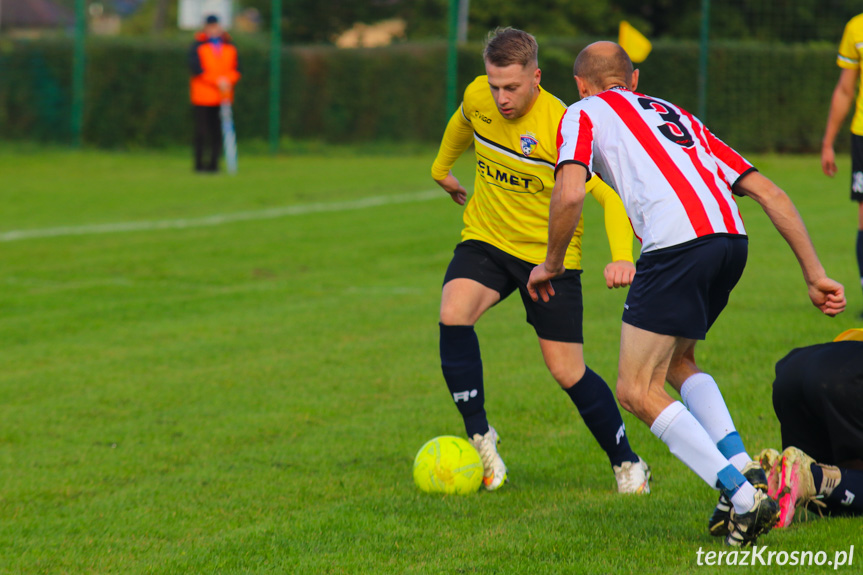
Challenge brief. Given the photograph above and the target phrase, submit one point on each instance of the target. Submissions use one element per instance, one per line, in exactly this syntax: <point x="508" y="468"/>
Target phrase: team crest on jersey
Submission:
<point x="528" y="143"/>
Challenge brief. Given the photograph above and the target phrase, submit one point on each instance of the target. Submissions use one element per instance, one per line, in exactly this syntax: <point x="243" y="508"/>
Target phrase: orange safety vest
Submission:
<point x="210" y="60"/>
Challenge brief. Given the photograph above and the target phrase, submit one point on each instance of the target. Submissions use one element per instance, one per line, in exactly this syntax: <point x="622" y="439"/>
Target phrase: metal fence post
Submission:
<point x="78" y="70"/>
<point x="702" y="60"/>
<point x="452" y="59"/>
<point x="275" y="75"/>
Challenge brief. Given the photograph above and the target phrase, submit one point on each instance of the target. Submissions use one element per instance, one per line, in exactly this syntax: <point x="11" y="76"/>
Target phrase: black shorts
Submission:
<point x="681" y="290"/>
<point x="818" y="399"/>
<point x="558" y="320"/>
<point x="856" y="168"/>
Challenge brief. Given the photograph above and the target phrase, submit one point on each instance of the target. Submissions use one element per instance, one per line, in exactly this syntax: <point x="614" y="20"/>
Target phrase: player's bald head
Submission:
<point x="604" y="64"/>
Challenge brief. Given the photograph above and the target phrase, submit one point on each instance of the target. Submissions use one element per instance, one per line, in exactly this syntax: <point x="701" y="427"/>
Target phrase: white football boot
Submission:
<point x="494" y="474"/>
<point x="633" y="477"/>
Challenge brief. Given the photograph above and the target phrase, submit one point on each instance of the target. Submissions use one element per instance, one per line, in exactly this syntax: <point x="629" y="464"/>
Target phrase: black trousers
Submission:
<point x="818" y="399"/>
<point x="208" y="138"/>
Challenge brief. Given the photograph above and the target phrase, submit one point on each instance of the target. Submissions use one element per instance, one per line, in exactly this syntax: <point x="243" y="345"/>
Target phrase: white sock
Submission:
<point x="703" y="399"/>
<point x="689" y="442"/>
<point x="740" y="460"/>
<point x="744" y="499"/>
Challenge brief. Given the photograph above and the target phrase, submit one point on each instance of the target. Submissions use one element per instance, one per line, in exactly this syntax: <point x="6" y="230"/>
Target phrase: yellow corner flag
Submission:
<point x="634" y="42"/>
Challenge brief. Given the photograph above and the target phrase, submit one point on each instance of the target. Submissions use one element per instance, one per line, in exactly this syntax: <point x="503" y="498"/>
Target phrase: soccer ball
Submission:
<point x="448" y="464"/>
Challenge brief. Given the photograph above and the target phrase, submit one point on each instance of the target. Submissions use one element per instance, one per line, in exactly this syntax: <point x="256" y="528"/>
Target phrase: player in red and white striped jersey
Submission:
<point x="676" y="180"/>
<point x="676" y="175"/>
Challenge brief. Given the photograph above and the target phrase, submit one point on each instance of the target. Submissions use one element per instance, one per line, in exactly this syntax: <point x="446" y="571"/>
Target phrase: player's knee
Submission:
<point x="630" y="398"/>
<point x="626" y="399"/>
<point x="452" y="315"/>
<point x="566" y="373"/>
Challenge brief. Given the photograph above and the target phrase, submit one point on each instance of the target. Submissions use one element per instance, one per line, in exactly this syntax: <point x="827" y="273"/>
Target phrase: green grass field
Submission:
<point x="233" y="375"/>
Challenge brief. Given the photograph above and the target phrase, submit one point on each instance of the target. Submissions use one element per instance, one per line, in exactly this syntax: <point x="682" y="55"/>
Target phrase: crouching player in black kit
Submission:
<point x="818" y="399"/>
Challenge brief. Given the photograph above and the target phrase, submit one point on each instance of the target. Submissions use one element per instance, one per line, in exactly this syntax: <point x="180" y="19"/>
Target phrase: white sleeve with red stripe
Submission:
<point x="732" y="164"/>
<point x="575" y="138"/>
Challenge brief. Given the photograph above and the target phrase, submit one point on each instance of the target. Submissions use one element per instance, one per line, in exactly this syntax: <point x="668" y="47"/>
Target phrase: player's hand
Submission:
<point x="224" y="85"/>
<point x="619" y="274"/>
<point x="828" y="296"/>
<point x="453" y="187"/>
<point x="828" y="160"/>
<point x="539" y="283"/>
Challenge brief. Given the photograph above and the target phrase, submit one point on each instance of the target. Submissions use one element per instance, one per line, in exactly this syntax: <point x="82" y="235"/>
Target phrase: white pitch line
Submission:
<point x="220" y="219"/>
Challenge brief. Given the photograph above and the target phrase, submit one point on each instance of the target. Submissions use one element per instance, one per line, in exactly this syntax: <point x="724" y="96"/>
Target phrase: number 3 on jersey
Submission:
<point x="672" y="129"/>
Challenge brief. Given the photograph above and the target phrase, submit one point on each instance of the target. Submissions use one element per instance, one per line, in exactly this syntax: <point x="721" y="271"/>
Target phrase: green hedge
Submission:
<point x="761" y="97"/>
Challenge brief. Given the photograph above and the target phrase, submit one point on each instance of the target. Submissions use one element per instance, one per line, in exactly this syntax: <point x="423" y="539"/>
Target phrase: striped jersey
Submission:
<point x="851" y="57"/>
<point x="673" y="175"/>
<point x="515" y="162"/>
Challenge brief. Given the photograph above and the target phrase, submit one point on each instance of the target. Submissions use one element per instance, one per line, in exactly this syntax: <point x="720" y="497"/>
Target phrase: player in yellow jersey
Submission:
<point x="850" y="59"/>
<point x="512" y="123"/>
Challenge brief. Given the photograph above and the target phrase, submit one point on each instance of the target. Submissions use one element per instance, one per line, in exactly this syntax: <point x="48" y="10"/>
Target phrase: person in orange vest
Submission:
<point x="214" y="67"/>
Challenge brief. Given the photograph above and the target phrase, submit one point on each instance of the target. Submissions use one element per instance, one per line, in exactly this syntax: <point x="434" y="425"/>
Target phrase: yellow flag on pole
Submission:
<point x="634" y="42"/>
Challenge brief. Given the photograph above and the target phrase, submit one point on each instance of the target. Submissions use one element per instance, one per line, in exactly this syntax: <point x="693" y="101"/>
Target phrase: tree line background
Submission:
<point x="309" y="21"/>
<point x="320" y="21"/>
<point x="771" y="69"/>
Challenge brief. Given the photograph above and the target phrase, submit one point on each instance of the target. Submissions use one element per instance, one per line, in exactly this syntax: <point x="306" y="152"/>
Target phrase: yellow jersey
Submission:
<point x="851" y="58"/>
<point x="515" y="162"/>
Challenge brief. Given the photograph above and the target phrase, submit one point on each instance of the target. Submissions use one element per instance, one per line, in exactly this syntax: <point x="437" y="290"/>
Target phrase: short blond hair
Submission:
<point x="508" y="46"/>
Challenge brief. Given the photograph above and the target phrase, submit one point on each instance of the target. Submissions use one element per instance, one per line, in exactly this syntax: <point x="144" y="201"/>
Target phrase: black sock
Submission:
<point x="461" y="364"/>
<point x="597" y="407"/>
<point x="817" y="476"/>
<point x="847" y="496"/>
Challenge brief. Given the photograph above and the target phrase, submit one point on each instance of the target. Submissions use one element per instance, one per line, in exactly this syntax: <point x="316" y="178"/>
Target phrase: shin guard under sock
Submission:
<point x="598" y="408"/>
<point x="461" y="364"/>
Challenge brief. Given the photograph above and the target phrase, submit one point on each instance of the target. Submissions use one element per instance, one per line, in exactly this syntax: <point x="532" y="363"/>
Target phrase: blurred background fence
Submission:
<point x="770" y="66"/>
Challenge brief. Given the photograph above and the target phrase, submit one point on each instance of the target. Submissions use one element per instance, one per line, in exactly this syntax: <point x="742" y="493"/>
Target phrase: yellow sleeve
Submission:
<point x="456" y="139"/>
<point x="848" y="56"/>
<point x="617" y="225"/>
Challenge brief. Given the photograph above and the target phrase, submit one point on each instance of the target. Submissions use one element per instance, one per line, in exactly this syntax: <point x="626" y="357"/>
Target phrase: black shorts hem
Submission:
<point x="557" y="338"/>
<point x="670" y="331"/>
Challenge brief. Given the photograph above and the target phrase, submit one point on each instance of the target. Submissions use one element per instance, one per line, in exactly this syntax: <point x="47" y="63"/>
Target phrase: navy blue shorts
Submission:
<point x="681" y="290"/>
<point x="558" y="320"/>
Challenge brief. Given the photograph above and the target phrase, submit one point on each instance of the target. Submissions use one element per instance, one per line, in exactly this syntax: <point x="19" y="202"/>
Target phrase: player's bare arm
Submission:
<point x="826" y="294"/>
<point x="843" y="97"/>
<point x="453" y="187"/>
<point x="567" y="200"/>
